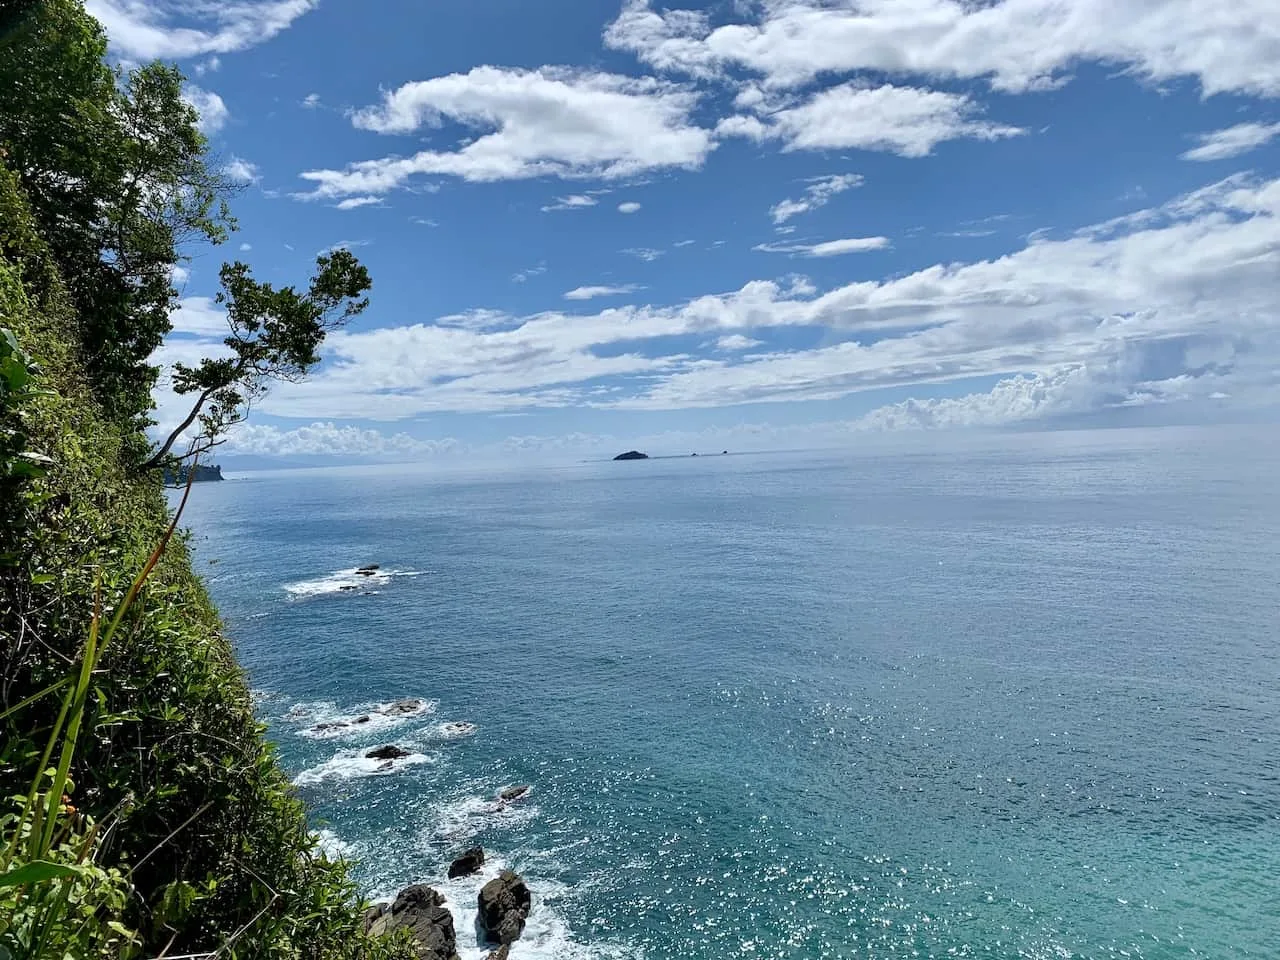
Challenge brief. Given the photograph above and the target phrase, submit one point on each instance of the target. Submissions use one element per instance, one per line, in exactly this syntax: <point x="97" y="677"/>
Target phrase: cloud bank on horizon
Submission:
<point x="806" y="217"/>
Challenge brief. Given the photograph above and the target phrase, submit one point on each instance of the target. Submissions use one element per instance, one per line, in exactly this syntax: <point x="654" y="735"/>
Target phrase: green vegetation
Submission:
<point x="141" y="811"/>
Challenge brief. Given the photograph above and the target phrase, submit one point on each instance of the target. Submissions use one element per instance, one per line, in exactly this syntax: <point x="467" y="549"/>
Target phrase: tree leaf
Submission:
<point x="38" y="871"/>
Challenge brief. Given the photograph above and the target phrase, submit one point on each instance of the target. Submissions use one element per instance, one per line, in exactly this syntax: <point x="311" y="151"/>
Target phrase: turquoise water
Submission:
<point x="1012" y="697"/>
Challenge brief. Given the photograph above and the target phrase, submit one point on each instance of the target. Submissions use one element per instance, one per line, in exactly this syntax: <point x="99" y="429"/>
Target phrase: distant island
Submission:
<point x="203" y="475"/>
<point x="632" y="455"/>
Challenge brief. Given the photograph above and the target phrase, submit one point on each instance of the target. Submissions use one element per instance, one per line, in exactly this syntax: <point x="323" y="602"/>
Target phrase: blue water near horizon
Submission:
<point x="1000" y="696"/>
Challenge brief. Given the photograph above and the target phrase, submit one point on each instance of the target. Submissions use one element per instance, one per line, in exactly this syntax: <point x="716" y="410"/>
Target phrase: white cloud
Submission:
<point x="629" y="207"/>
<point x="343" y="245"/>
<point x="199" y="316"/>
<point x="1233" y="141"/>
<point x="1018" y="45"/>
<point x="176" y="29"/>
<point x="213" y="112"/>
<point x="590" y="293"/>
<point x="736" y="341"/>
<point x="246" y="247"/>
<point x="830" y="248"/>
<point x="311" y="101"/>
<point x="907" y="121"/>
<point x="817" y="194"/>
<point x="577" y="201"/>
<point x="178" y="275"/>
<point x="331" y="440"/>
<point x="520" y="276"/>
<point x="241" y="171"/>
<point x="647" y="254"/>
<point x="1171" y="305"/>
<point x="532" y="123"/>
<point x="212" y="65"/>
<point x="351" y="203"/>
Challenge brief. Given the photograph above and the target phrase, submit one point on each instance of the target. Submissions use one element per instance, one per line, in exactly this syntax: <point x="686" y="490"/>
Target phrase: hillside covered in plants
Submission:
<point x="143" y="812"/>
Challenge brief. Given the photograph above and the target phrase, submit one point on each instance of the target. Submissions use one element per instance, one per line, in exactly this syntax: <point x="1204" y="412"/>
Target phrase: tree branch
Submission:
<point x="157" y="458"/>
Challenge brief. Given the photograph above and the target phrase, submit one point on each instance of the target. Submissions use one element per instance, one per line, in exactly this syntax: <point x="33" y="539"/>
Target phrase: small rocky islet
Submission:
<point x="504" y="904"/>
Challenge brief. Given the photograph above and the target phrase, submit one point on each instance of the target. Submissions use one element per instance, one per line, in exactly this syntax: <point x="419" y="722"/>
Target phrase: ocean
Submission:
<point x="993" y="696"/>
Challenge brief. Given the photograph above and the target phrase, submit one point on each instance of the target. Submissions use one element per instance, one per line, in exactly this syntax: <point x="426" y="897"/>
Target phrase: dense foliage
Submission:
<point x="141" y="811"/>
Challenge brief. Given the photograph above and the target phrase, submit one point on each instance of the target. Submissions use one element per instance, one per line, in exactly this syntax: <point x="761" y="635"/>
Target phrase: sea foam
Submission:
<point x="350" y="580"/>
<point x="353" y="764"/>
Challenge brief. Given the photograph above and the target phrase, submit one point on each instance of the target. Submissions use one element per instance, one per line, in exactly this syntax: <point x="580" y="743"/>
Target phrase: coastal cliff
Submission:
<point x="152" y="818"/>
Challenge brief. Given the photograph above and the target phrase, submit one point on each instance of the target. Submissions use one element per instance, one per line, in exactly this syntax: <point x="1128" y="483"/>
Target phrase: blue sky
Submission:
<point x="597" y="225"/>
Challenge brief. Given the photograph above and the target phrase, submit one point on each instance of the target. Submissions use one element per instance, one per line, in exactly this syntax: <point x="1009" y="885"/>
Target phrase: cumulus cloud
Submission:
<point x="1170" y="303"/>
<point x="311" y="101"/>
<point x="908" y="121"/>
<point x="1233" y="141"/>
<point x="531" y="123"/>
<point x="629" y="207"/>
<point x="176" y="29"/>
<point x="240" y="170"/>
<point x="817" y="194"/>
<point x="1016" y="45"/>
<point x="213" y="112"/>
<point x="590" y="293"/>
<point x="830" y="248"/>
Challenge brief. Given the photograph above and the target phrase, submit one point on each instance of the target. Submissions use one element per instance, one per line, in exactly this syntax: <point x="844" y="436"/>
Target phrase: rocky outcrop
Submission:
<point x="402" y="708"/>
<point x="388" y="752"/>
<point x="632" y="455"/>
<point x="505" y="902"/>
<point x="420" y="910"/>
<point x="517" y="792"/>
<point x="467" y="864"/>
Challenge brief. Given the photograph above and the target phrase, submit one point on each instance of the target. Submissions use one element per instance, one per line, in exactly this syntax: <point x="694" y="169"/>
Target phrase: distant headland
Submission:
<point x="632" y="455"/>
<point x="203" y="474"/>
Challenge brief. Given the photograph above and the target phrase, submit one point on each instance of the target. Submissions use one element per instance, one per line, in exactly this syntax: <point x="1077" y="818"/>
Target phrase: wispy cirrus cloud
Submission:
<point x="817" y="193"/>
<point x="1233" y="141"/>
<point x="829" y="248"/>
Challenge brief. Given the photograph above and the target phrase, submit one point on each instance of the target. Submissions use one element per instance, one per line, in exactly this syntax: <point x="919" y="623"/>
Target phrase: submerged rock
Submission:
<point x="467" y="864"/>
<point x="402" y="708"/>
<point x="368" y="571"/>
<point x="420" y="910"/>
<point x="388" y="752"/>
<point x="505" y="902"/>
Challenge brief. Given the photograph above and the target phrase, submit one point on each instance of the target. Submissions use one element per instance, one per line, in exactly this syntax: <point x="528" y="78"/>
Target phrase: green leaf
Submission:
<point x="38" y="871"/>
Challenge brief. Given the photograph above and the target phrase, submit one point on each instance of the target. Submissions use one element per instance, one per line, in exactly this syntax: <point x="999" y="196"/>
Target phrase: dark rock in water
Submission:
<point x="517" y="792"/>
<point x="364" y="719"/>
<point x="467" y="864"/>
<point x="388" y="752"/>
<point x="332" y="725"/>
<point x="693" y="454"/>
<point x="502" y="953"/>
<point x="724" y="453"/>
<point x="402" y="708"/>
<point x="632" y="455"/>
<point x="385" y="766"/>
<point x="368" y="571"/>
<point x="505" y="903"/>
<point x="421" y="911"/>
<point x="348" y="586"/>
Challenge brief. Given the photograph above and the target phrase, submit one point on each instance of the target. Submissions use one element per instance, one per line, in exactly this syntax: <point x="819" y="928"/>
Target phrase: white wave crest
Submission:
<point x="351" y="580"/>
<point x="328" y="722"/>
<point x="332" y="846"/>
<point x="452" y="730"/>
<point x="465" y="817"/>
<point x="353" y="764"/>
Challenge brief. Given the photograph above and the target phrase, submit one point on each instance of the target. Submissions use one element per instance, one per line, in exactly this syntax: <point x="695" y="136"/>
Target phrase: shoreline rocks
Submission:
<point x="388" y="752"/>
<point x="505" y="903"/>
<point x="470" y="862"/>
<point x="420" y="910"/>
